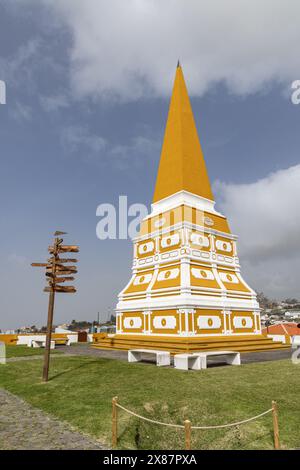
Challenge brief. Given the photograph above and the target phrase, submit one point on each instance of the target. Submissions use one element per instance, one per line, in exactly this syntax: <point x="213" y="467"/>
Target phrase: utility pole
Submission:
<point x="55" y="267"/>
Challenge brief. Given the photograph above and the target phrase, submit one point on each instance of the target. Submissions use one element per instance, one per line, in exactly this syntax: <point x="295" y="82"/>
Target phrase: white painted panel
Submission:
<point x="166" y="322"/>
<point x="223" y="246"/>
<point x="142" y="279"/>
<point x="146" y="247"/>
<point x="209" y="321"/>
<point x="132" y="322"/>
<point x="229" y="277"/>
<point x="200" y="240"/>
<point x="170" y="240"/>
<point x="238" y="322"/>
<point x="169" y="274"/>
<point x="202" y="274"/>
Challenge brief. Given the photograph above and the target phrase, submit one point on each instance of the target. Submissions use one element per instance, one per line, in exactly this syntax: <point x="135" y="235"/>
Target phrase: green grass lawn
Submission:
<point x="81" y="389"/>
<point x="22" y="351"/>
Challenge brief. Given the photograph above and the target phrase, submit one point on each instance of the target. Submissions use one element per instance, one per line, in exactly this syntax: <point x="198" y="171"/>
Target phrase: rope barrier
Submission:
<point x="193" y="427"/>
<point x="187" y="426"/>
<point x="233" y="424"/>
<point x="148" y="419"/>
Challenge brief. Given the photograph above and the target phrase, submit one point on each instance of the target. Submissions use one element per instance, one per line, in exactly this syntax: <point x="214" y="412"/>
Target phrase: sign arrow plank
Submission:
<point x="65" y="289"/>
<point x="62" y="260"/>
<point x="64" y="249"/>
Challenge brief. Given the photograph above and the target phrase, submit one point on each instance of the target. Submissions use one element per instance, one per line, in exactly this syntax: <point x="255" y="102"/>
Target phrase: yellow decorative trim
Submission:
<point x="131" y="316"/>
<point x="242" y="315"/>
<point x="170" y="241"/>
<point x="203" y="276"/>
<point x="164" y="314"/>
<point x="212" y="315"/>
<point x="167" y="277"/>
<point x="231" y="281"/>
<point x="140" y="282"/>
<point x="143" y="248"/>
<point x="181" y="214"/>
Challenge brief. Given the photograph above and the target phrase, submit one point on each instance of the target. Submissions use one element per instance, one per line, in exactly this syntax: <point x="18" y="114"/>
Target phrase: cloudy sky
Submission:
<point x="88" y="84"/>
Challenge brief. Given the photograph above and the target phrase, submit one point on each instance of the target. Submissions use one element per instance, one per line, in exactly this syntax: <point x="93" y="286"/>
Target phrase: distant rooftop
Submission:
<point x="290" y="329"/>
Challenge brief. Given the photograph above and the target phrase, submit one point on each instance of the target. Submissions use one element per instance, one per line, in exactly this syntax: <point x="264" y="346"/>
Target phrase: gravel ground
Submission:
<point x="23" y="427"/>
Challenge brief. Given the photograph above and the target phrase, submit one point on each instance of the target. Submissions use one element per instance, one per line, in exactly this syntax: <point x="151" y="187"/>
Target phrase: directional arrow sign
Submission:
<point x="65" y="289"/>
<point x="62" y="268"/>
<point x="69" y="289"/>
<point x="59" y="279"/>
<point x="57" y="273"/>
<point x="62" y="273"/>
<point x="64" y="249"/>
<point x="62" y="260"/>
<point x="63" y="279"/>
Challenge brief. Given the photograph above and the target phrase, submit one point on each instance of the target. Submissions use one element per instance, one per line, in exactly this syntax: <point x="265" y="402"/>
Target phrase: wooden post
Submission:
<point x="187" y="432"/>
<point x="56" y="272"/>
<point x="275" y="425"/>
<point x="48" y="335"/>
<point x="50" y="317"/>
<point x="114" y="422"/>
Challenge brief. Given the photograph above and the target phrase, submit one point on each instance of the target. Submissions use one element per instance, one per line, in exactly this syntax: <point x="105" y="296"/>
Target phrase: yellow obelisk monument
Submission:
<point x="186" y="292"/>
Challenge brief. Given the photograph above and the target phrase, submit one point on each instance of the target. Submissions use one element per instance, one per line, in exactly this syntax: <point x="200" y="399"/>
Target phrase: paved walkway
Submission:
<point x="23" y="427"/>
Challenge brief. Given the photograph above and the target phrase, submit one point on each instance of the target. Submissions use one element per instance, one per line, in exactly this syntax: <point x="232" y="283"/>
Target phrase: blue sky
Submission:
<point x="88" y="86"/>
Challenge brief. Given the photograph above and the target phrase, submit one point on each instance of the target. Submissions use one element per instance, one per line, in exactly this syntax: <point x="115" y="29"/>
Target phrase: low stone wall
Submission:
<point x="26" y="339"/>
<point x="285" y="339"/>
<point x="9" y="339"/>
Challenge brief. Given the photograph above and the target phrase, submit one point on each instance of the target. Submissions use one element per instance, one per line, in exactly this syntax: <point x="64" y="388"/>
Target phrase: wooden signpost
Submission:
<point x="56" y="273"/>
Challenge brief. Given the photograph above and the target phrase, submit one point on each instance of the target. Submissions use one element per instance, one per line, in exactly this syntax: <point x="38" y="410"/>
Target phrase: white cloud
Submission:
<point x="18" y="68"/>
<point x="54" y="102"/>
<point x="124" y="156"/>
<point x="265" y="216"/>
<point x="78" y="139"/>
<point x="21" y="112"/>
<point x="128" y="49"/>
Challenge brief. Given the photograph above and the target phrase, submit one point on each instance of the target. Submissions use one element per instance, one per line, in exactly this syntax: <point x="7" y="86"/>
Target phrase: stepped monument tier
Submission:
<point x="186" y="291"/>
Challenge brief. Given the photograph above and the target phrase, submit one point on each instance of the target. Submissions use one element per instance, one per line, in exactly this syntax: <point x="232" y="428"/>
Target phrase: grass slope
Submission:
<point x="23" y="351"/>
<point x="81" y="389"/>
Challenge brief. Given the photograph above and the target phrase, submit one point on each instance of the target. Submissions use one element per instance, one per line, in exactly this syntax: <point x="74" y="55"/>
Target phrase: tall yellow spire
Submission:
<point x="182" y="165"/>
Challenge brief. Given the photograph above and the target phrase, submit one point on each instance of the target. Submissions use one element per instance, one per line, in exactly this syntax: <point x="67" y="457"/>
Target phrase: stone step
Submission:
<point x="243" y="344"/>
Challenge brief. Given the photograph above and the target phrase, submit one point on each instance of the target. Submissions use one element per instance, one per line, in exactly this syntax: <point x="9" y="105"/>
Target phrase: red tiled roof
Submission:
<point x="290" y="329"/>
